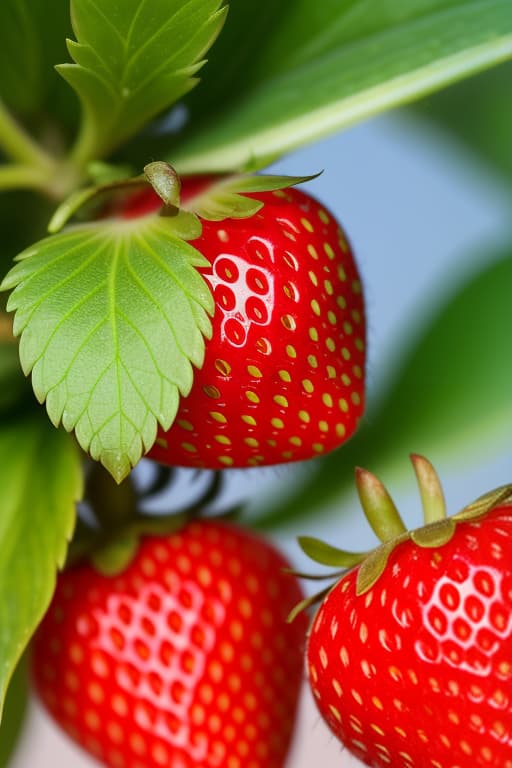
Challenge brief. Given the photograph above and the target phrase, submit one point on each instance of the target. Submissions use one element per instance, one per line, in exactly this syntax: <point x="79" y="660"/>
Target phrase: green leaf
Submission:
<point x="325" y="65"/>
<point x="487" y="99"/>
<point x="134" y="59"/>
<point x="112" y="317"/>
<point x="450" y="398"/>
<point x="14" y="713"/>
<point x="40" y="477"/>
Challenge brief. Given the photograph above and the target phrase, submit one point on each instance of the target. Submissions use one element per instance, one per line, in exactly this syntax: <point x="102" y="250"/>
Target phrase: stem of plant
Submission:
<point x="14" y="176"/>
<point x="19" y="146"/>
<point x="114" y="505"/>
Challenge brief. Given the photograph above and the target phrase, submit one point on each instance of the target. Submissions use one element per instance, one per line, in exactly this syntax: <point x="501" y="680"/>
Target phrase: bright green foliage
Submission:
<point x="450" y="395"/>
<point x="40" y="476"/>
<point x="134" y="59"/>
<point x="325" y="65"/>
<point x="112" y="318"/>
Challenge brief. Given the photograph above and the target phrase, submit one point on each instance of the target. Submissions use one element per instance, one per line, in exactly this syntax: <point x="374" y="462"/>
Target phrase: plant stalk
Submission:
<point x="19" y="146"/>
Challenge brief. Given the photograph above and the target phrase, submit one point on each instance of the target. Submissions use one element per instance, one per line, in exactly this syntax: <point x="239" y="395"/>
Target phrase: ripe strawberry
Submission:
<point x="283" y="376"/>
<point x="413" y="667"/>
<point x="184" y="659"/>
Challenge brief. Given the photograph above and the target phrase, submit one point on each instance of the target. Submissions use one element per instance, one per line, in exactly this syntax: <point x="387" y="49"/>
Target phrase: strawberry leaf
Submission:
<point x="133" y="59"/>
<point x="112" y="317"/>
<point x="40" y="479"/>
<point x="326" y="65"/>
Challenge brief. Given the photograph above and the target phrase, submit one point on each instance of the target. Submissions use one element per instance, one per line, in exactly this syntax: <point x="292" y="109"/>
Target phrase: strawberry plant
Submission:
<point x="169" y="293"/>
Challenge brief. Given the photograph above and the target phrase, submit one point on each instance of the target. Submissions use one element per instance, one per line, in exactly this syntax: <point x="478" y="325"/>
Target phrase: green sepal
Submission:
<point x="379" y="508"/>
<point x="434" y="534"/>
<point x="431" y="492"/>
<point x="89" y="200"/>
<point x="303" y="605"/>
<point x="375" y="564"/>
<point x="225" y="198"/>
<point x="325" y="554"/>
<point x="482" y="505"/>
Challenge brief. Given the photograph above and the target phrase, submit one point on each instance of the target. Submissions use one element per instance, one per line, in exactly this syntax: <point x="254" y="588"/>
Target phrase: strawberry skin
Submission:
<point x="185" y="659"/>
<point x="283" y="375"/>
<point x="417" y="671"/>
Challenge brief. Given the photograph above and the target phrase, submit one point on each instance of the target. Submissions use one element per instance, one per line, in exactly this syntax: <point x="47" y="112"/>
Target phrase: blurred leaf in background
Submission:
<point x="14" y="713"/>
<point x="305" y="69"/>
<point x="32" y="42"/>
<point x="479" y="112"/>
<point x="450" y="398"/>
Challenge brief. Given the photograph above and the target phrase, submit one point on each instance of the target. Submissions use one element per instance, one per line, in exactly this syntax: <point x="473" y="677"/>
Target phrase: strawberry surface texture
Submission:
<point x="417" y="670"/>
<point x="185" y="659"/>
<point x="283" y="375"/>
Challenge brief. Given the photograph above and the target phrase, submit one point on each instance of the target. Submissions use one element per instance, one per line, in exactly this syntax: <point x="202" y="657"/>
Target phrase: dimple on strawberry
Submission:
<point x="183" y="659"/>
<point x="283" y="374"/>
<point x="410" y="654"/>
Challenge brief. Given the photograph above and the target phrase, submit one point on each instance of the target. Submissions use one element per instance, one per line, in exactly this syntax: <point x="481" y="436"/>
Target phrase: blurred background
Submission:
<point x="425" y="197"/>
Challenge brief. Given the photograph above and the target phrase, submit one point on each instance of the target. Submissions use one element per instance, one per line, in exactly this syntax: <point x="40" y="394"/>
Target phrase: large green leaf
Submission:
<point x="14" y="713"/>
<point x="450" y="398"/>
<point x="134" y="59"/>
<point x="479" y="112"/>
<point x="324" y="65"/>
<point x="112" y="317"/>
<point x="40" y="477"/>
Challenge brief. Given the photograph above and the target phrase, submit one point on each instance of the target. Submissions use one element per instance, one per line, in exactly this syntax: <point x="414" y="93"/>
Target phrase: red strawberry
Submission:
<point x="413" y="667"/>
<point x="283" y="376"/>
<point x="185" y="659"/>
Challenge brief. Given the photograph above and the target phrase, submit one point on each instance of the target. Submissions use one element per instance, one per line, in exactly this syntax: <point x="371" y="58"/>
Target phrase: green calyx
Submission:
<point x="223" y="198"/>
<point x="387" y="524"/>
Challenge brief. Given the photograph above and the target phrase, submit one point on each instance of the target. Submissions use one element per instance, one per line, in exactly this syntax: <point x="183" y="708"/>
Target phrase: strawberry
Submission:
<point x="283" y="375"/>
<point x="410" y="654"/>
<point x="183" y="659"/>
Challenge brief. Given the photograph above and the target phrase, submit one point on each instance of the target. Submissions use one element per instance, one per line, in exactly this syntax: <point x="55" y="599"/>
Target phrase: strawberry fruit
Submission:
<point x="283" y="375"/>
<point x="184" y="658"/>
<point x="410" y="654"/>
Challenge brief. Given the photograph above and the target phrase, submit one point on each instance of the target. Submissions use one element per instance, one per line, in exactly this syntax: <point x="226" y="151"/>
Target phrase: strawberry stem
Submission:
<point x="431" y="492"/>
<point x="378" y="506"/>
